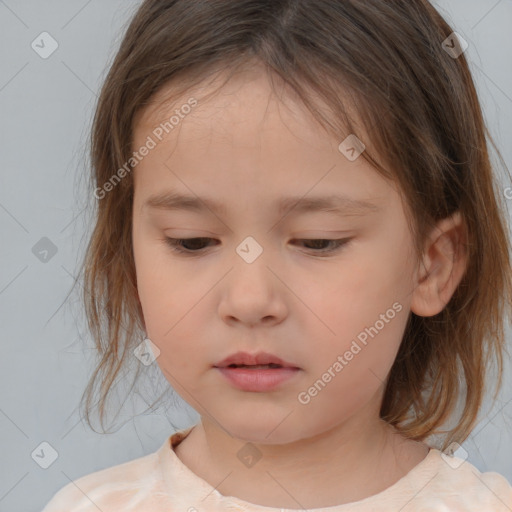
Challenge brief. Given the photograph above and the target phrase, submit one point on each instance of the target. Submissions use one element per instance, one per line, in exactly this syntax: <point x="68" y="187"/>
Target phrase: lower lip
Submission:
<point x="258" y="379"/>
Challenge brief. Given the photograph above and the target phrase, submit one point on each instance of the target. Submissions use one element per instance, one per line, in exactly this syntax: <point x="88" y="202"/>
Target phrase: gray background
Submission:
<point x="46" y="356"/>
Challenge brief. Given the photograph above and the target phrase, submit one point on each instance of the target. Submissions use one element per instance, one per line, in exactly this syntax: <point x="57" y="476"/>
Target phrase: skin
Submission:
<point x="246" y="148"/>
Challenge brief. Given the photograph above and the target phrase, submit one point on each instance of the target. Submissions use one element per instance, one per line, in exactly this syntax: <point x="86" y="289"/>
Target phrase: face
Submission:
<point x="261" y="279"/>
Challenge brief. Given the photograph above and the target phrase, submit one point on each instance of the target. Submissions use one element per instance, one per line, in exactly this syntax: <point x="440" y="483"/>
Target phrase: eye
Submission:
<point x="179" y="245"/>
<point x="335" y="244"/>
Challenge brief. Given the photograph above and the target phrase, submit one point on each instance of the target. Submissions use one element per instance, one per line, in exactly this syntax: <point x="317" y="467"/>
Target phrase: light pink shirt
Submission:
<point x="160" y="482"/>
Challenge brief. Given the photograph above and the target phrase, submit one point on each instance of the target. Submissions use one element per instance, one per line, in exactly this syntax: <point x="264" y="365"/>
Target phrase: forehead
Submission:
<point x="240" y="136"/>
<point x="249" y="91"/>
<point x="245" y="111"/>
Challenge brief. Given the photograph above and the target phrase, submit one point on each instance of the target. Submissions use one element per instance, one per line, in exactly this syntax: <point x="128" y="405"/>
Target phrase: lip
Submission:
<point x="259" y="380"/>
<point x="254" y="359"/>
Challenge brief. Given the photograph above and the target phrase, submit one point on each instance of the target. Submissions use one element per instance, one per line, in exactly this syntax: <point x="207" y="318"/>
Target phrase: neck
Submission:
<point x="346" y="463"/>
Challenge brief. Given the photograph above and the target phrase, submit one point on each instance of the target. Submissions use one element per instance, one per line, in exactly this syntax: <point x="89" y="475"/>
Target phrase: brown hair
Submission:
<point x="421" y="113"/>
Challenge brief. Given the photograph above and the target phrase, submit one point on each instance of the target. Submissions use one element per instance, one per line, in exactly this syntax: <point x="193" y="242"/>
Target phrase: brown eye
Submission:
<point x="318" y="244"/>
<point x="191" y="246"/>
<point x="186" y="245"/>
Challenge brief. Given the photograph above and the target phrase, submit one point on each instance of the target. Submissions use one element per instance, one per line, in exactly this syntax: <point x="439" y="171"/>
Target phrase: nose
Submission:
<point x="252" y="294"/>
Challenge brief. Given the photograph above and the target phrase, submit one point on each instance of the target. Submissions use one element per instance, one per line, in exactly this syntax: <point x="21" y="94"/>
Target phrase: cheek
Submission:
<point x="173" y="308"/>
<point x="360" y="357"/>
<point x="164" y="302"/>
<point x="351" y="295"/>
<point x="159" y="288"/>
<point x="361" y="312"/>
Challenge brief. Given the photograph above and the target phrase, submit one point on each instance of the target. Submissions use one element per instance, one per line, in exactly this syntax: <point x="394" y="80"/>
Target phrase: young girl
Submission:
<point x="297" y="213"/>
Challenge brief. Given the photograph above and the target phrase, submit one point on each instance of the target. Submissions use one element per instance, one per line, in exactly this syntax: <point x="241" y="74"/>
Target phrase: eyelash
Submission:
<point x="173" y="244"/>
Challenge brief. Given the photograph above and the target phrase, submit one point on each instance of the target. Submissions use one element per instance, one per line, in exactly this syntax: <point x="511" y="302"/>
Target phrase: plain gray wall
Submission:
<point x="46" y="358"/>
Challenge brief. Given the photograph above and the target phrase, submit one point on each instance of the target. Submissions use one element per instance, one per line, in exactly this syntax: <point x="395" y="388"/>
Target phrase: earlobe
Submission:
<point x="443" y="266"/>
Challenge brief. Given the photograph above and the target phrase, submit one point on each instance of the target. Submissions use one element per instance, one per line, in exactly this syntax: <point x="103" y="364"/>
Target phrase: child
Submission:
<point x="296" y="208"/>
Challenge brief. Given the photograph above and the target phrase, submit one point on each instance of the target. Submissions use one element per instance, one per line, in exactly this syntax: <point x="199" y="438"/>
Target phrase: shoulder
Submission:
<point x="119" y="487"/>
<point x="458" y="484"/>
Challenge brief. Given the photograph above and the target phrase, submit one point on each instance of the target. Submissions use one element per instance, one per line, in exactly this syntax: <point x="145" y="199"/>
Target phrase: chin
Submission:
<point x="266" y="430"/>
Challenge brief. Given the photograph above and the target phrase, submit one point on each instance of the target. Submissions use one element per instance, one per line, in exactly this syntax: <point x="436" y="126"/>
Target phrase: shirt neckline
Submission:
<point x="180" y="480"/>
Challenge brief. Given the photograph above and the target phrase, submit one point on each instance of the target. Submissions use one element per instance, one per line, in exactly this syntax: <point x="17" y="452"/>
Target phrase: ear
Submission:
<point x="443" y="266"/>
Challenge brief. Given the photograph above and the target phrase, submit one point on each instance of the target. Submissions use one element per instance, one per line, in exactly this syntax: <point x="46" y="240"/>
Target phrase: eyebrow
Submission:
<point x="338" y="204"/>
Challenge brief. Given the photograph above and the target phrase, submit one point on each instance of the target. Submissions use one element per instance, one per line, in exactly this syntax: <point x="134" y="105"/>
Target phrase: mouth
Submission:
<point x="258" y="377"/>
<point x="254" y="366"/>
<point x="259" y="361"/>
